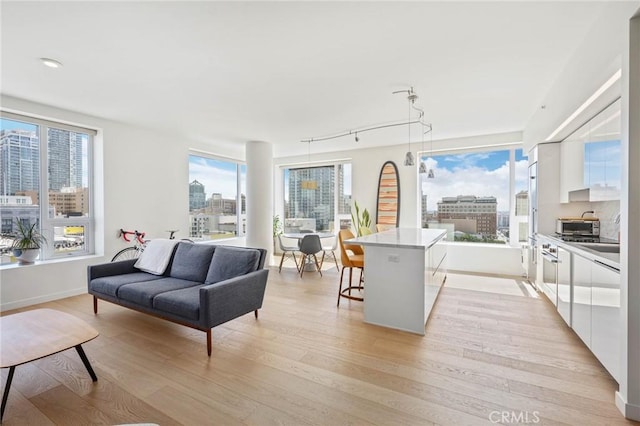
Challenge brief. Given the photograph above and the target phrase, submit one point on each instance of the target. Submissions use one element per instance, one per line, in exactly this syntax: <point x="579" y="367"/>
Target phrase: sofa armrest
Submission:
<point x="109" y="269"/>
<point x="229" y="299"/>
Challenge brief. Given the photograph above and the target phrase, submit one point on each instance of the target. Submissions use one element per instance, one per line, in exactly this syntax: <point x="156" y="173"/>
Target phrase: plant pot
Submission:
<point x="26" y="255"/>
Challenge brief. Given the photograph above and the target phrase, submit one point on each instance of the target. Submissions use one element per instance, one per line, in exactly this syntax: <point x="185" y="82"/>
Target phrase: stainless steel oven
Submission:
<point x="550" y="261"/>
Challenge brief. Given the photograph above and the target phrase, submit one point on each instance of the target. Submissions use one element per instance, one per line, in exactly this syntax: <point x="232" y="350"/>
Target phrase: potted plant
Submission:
<point x="277" y="230"/>
<point x="360" y="222"/>
<point x="27" y="242"/>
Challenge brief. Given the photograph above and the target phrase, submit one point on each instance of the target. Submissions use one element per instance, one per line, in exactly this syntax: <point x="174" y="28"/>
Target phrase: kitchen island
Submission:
<point x="404" y="270"/>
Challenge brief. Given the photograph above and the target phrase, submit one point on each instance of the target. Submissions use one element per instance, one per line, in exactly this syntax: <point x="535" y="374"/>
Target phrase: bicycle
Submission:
<point x="140" y="243"/>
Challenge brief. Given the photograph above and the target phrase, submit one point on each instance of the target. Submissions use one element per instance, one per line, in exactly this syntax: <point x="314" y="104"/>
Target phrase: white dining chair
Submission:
<point x="329" y="246"/>
<point x="287" y="250"/>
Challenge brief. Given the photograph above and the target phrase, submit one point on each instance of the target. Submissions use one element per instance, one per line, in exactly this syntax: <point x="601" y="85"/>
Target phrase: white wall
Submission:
<point x="143" y="186"/>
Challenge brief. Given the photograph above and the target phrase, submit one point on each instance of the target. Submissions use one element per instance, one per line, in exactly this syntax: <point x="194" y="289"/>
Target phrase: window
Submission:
<point x="46" y="180"/>
<point x="315" y="198"/>
<point x="216" y="189"/>
<point x="470" y="196"/>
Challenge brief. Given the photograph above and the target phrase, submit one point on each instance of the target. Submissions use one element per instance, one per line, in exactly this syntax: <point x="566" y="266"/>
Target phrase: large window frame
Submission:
<point x="341" y="219"/>
<point x="47" y="224"/>
<point x="240" y="185"/>
<point x="517" y="221"/>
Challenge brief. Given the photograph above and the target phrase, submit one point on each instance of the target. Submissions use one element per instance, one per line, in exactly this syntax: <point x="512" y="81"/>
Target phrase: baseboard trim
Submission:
<point x="630" y="411"/>
<point x="42" y="299"/>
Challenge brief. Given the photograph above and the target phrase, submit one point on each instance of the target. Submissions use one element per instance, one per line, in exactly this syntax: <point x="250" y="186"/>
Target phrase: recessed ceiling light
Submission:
<point x="51" y="63"/>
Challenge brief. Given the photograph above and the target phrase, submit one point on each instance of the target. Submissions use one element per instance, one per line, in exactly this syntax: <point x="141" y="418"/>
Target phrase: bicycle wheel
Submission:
<point x="126" y="254"/>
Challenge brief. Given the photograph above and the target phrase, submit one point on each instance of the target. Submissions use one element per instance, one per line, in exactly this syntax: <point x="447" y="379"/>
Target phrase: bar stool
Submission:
<point x="355" y="260"/>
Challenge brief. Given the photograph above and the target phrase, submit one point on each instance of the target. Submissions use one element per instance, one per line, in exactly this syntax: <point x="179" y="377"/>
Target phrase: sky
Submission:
<point x="480" y="174"/>
<point x="216" y="176"/>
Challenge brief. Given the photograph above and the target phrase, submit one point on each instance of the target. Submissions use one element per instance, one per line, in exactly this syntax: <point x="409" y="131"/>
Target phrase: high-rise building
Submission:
<point x="425" y="215"/>
<point x="522" y="203"/>
<point x="475" y="215"/>
<point x="64" y="149"/>
<point x="19" y="161"/>
<point x="197" y="197"/>
<point x="311" y="195"/>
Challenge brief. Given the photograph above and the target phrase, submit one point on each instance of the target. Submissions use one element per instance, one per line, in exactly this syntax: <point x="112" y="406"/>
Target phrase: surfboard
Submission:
<point x="388" y="203"/>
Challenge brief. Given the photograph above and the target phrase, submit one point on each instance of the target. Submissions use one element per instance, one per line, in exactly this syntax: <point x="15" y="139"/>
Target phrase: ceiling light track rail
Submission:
<point x="368" y="129"/>
<point x="412" y="96"/>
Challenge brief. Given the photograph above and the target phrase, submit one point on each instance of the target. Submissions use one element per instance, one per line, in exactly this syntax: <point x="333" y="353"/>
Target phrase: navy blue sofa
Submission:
<point x="203" y="286"/>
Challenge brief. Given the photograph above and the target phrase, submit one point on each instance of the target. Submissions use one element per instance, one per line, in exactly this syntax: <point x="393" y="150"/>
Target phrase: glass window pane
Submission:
<point x="243" y="199"/>
<point x="19" y="180"/>
<point x="309" y="199"/>
<point x="68" y="166"/>
<point x="213" y="188"/>
<point x="522" y="197"/>
<point x="467" y="196"/>
<point x="68" y="239"/>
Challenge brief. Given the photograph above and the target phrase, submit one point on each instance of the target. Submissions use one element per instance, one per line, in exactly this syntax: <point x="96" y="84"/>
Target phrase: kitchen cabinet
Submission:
<point x="581" y="301"/>
<point x="606" y="321"/>
<point x="590" y="159"/>
<point x="564" y="284"/>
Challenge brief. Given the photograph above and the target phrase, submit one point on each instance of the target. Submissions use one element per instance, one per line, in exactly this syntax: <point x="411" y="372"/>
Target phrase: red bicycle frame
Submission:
<point x="137" y="235"/>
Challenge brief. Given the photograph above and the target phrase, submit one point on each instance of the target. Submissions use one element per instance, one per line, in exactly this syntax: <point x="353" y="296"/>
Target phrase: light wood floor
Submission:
<point x="492" y="349"/>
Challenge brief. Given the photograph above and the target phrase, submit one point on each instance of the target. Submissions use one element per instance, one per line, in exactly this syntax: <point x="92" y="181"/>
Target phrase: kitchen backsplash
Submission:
<point x="606" y="211"/>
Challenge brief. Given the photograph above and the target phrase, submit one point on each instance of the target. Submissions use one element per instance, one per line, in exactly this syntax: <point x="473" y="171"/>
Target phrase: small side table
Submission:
<point x="31" y="335"/>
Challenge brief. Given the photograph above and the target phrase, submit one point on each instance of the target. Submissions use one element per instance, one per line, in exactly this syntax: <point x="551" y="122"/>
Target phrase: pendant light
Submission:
<point x="430" y="173"/>
<point x="423" y="167"/>
<point x="408" y="158"/>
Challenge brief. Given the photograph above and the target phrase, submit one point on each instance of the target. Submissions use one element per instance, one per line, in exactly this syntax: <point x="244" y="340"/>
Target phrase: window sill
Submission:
<point x="9" y="266"/>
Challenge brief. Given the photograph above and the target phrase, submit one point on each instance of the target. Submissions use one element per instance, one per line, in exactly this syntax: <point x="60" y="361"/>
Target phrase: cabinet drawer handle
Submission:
<point x="607" y="266"/>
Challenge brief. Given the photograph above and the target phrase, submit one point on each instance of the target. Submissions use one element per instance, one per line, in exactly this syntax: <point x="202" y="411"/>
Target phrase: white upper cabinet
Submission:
<point x="590" y="159"/>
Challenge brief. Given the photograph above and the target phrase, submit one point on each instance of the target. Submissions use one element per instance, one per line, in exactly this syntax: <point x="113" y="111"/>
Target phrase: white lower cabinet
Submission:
<point x="564" y="285"/>
<point x="606" y="318"/>
<point x="596" y="313"/>
<point x="581" y="302"/>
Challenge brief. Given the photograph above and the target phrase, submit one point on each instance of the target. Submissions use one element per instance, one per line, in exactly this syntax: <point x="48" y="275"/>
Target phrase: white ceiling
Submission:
<point x="229" y="72"/>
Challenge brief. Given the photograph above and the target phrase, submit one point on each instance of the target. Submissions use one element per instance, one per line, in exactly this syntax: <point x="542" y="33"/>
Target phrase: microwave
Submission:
<point x="588" y="227"/>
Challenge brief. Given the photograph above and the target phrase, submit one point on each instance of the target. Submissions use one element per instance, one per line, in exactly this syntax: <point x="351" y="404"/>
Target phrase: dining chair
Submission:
<point x="329" y="250"/>
<point x="353" y="260"/>
<point x="309" y="246"/>
<point x="287" y="249"/>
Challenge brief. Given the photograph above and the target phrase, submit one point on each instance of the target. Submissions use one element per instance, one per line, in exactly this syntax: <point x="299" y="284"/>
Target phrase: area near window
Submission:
<point x="37" y="154"/>
<point x="317" y="198"/>
<point x="216" y="188"/>
<point x="476" y="196"/>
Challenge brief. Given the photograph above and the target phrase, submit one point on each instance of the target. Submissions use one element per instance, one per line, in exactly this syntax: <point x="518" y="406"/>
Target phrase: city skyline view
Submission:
<point x="217" y="176"/>
<point x="483" y="174"/>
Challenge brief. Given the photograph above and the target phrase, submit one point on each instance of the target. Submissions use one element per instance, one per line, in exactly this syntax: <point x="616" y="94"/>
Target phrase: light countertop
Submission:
<point x="416" y="238"/>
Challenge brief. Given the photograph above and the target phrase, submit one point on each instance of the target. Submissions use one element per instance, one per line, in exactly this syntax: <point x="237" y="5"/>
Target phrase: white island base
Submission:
<point x="404" y="271"/>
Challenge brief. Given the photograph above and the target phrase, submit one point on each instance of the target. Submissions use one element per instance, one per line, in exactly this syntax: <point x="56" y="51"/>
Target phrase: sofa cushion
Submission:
<point x="184" y="302"/>
<point x="229" y="262"/>
<point x="191" y="261"/>
<point x="144" y="292"/>
<point x="110" y="285"/>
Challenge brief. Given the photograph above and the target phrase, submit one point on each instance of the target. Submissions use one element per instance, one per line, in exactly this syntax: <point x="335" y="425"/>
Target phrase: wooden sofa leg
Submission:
<point x="209" y="342"/>
<point x="95" y="305"/>
<point x="255" y="313"/>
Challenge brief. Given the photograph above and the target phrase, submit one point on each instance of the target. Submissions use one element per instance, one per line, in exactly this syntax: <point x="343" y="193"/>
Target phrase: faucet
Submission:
<point x="588" y="211"/>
